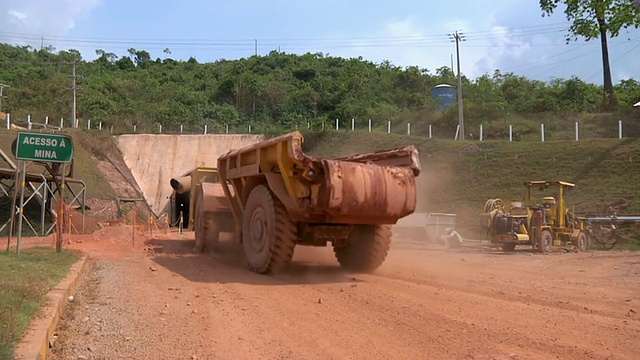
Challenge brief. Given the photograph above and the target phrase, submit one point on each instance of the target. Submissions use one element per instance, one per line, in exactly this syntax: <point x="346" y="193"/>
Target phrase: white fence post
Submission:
<point x="353" y="124"/>
<point x="112" y="129"/>
<point x="542" y="132"/>
<point x="134" y="127"/>
<point x="429" y="131"/>
<point x="388" y="127"/>
<point x="308" y="125"/>
<point x="61" y="123"/>
<point x="337" y="125"/>
<point x="46" y="120"/>
<point x="181" y="128"/>
<point x="408" y="128"/>
<point x="160" y="129"/>
<point x="226" y="128"/>
<point x="89" y="124"/>
<point x="577" y="132"/>
<point x="619" y="129"/>
<point x="8" y="121"/>
<point x="369" y="125"/>
<point x="100" y="125"/>
<point x="249" y="128"/>
<point x="481" y="134"/>
<point x="510" y="133"/>
<point x="29" y="122"/>
<point x="457" y="132"/>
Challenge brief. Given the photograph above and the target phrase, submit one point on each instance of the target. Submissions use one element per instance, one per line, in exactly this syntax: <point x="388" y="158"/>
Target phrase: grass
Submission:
<point x="25" y="280"/>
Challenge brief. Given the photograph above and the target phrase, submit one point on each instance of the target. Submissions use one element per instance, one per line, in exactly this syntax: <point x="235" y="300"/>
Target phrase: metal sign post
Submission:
<point x="57" y="148"/>
<point x="21" y="210"/>
<point x="61" y="217"/>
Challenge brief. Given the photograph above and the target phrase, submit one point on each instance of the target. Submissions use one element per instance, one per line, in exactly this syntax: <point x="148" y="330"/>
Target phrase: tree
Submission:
<point x="597" y="18"/>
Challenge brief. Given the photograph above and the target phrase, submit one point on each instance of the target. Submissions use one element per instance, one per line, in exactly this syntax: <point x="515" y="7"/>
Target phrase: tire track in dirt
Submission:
<point x="514" y="324"/>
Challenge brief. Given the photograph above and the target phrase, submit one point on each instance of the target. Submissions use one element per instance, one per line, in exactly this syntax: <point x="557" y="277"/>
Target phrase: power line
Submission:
<point x="346" y="41"/>
<point x="458" y="37"/>
<point x="73" y="90"/>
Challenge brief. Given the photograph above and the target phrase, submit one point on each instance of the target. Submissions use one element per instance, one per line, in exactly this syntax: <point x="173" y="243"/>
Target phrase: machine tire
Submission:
<point x="206" y="228"/>
<point x="366" y="248"/>
<point x="508" y="247"/>
<point x="581" y="242"/>
<point x="545" y="241"/>
<point x="268" y="235"/>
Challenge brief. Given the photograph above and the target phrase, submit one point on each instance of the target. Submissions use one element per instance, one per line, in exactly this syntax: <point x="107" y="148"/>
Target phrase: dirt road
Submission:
<point x="164" y="302"/>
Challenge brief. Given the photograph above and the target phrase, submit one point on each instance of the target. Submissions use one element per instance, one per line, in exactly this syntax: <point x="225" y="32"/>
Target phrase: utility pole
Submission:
<point x="2" y="86"/>
<point x="73" y="89"/>
<point x="256" y="47"/>
<point x="457" y="37"/>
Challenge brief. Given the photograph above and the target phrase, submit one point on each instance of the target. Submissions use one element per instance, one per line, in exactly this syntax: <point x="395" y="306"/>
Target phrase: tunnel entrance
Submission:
<point x="179" y="204"/>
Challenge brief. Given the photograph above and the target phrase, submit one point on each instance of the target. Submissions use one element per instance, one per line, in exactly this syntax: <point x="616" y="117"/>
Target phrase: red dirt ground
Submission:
<point x="151" y="297"/>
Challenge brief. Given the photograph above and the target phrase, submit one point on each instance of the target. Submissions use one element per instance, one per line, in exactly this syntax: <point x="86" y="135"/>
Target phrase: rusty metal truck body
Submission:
<point x="280" y="197"/>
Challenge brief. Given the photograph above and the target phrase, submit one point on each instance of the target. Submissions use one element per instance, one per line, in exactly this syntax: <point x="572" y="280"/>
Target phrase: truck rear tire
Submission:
<point x="268" y="234"/>
<point x="366" y="248"/>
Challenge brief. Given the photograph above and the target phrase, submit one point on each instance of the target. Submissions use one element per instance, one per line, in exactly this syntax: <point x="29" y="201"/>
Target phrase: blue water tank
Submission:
<point x="444" y="95"/>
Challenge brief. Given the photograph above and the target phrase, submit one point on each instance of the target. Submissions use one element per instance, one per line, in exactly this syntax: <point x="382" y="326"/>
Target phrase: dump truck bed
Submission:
<point x="371" y="188"/>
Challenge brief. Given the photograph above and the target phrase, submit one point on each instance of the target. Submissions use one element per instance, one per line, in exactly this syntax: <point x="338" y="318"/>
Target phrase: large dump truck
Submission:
<point x="280" y="198"/>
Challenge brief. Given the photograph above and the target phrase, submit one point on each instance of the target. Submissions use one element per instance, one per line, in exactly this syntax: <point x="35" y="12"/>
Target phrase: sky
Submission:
<point x="506" y="35"/>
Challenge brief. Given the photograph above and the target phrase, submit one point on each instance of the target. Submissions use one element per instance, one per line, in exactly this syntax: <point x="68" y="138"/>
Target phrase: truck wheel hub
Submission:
<point x="258" y="228"/>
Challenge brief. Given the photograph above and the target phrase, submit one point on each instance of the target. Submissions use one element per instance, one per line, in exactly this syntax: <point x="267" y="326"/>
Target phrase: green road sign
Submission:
<point x="44" y="147"/>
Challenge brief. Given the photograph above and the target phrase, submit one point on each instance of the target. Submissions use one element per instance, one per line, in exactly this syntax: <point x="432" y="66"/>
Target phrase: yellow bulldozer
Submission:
<point x="541" y="222"/>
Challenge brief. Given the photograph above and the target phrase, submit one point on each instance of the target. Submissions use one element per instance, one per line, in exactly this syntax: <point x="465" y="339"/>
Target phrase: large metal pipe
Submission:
<point x="181" y="185"/>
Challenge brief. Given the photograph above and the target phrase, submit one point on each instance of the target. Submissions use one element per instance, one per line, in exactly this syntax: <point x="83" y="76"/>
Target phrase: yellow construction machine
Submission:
<point x="543" y="222"/>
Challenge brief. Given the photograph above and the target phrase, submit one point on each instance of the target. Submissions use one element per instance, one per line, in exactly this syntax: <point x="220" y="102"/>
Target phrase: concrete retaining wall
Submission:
<point x="155" y="159"/>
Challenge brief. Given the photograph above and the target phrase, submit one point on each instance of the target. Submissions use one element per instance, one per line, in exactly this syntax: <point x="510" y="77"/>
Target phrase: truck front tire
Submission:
<point x="268" y="234"/>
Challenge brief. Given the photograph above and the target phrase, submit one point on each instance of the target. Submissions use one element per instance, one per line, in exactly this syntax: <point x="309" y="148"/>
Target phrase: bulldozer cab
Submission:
<point x="549" y="196"/>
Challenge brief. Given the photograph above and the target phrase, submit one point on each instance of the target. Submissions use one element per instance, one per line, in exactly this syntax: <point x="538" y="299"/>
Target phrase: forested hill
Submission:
<point x="274" y="91"/>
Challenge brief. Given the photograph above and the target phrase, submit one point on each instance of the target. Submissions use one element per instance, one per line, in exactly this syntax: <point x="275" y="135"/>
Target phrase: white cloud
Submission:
<point x="411" y="43"/>
<point x="17" y="15"/>
<point x="403" y="43"/>
<point x="503" y="46"/>
<point x="42" y="17"/>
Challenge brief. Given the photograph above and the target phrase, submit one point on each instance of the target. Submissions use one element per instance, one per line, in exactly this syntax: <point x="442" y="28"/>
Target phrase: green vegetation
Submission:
<point x="25" y="280"/>
<point x="276" y="92"/>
